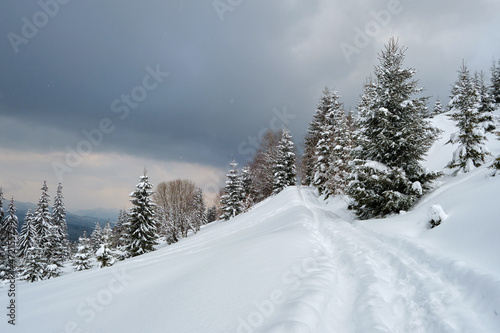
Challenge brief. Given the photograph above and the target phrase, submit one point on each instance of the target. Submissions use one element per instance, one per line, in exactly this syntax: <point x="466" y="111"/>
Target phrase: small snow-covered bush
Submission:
<point x="436" y="215"/>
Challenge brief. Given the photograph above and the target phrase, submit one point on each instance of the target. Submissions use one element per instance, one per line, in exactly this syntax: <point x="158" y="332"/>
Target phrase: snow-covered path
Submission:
<point x="361" y="283"/>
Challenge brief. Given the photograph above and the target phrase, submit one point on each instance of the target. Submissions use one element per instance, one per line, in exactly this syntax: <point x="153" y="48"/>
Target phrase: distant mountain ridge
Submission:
<point x="77" y="222"/>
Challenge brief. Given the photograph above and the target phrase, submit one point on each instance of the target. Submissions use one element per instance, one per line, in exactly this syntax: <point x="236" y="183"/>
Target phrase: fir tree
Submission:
<point x="198" y="215"/>
<point x="28" y="237"/>
<point x="33" y="268"/>
<point x="465" y="107"/>
<point x="341" y="154"/>
<point x="119" y="229"/>
<point x="231" y="201"/>
<point x="83" y="256"/>
<point x="96" y="237"/>
<point x="142" y="224"/>
<point x="42" y="219"/>
<point x="495" y="82"/>
<point x="325" y="145"/>
<point x="104" y="255"/>
<point x="9" y="234"/>
<point x="393" y="137"/>
<point x="438" y="108"/>
<point x="59" y="222"/>
<point x="309" y="158"/>
<point x="211" y="214"/>
<point x="486" y="119"/>
<point x="284" y="170"/>
<point x="53" y="252"/>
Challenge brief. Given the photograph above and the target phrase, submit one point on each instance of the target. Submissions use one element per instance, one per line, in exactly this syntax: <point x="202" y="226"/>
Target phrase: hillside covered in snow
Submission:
<point x="297" y="263"/>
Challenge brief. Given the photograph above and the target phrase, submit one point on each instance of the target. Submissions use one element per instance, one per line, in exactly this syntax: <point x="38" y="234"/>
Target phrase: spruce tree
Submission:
<point x="438" y="108"/>
<point x="495" y="82"/>
<point x="393" y="137"/>
<point x="341" y="154"/>
<point x="42" y="218"/>
<point x="325" y="144"/>
<point x="232" y="200"/>
<point x="104" y="255"/>
<point x="83" y="256"/>
<point x="284" y="170"/>
<point x="9" y="234"/>
<point x="96" y="237"/>
<point x="119" y="229"/>
<point x="486" y="119"/>
<point x="142" y="223"/>
<point x="465" y="107"/>
<point x="309" y="158"/>
<point x="28" y="237"/>
<point x="33" y="267"/>
<point x="59" y="222"/>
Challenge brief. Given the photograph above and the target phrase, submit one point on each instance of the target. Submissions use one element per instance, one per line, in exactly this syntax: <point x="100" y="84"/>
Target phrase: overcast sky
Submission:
<point x="179" y="86"/>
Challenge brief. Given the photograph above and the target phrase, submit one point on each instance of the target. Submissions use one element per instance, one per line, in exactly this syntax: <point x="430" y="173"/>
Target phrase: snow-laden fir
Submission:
<point x="295" y="263"/>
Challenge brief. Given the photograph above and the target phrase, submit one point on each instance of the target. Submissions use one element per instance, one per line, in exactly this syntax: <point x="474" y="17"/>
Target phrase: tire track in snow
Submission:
<point x="363" y="284"/>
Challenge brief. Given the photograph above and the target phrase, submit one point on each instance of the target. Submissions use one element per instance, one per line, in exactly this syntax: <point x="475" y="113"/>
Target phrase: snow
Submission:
<point x="296" y="263"/>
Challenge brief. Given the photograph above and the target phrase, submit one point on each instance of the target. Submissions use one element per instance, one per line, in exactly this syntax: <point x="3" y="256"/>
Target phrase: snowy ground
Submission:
<point x="295" y="263"/>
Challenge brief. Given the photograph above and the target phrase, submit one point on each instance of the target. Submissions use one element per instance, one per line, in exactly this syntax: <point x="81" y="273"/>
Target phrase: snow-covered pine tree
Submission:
<point x="284" y="170"/>
<point x="33" y="267"/>
<point x="487" y="104"/>
<point x="119" y="229"/>
<point x="393" y="137"/>
<point x="471" y="138"/>
<point x="83" y="256"/>
<point x="325" y="144"/>
<point x="232" y="200"/>
<point x="59" y="222"/>
<point x="96" y="237"/>
<point x="495" y="82"/>
<point x="198" y="214"/>
<point x="341" y="154"/>
<point x="104" y="255"/>
<point x="309" y="158"/>
<point x="28" y="237"/>
<point x="9" y="234"/>
<point x="2" y="212"/>
<point x="438" y="108"/>
<point x="248" y="191"/>
<point x="53" y="252"/>
<point x="42" y="219"/>
<point x="142" y="223"/>
<point x="211" y="214"/>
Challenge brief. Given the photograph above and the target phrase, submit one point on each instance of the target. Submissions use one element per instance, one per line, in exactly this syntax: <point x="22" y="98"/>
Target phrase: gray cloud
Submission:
<point x="225" y="77"/>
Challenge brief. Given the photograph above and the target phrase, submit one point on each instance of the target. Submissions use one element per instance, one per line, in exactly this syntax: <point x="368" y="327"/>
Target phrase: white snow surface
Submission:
<point x="296" y="263"/>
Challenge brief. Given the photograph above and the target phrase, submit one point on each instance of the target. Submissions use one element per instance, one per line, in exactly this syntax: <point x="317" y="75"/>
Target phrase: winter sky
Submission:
<point x="181" y="86"/>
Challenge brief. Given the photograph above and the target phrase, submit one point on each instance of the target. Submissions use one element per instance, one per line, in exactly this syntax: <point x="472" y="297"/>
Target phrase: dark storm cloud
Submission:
<point x="225" y="77"/>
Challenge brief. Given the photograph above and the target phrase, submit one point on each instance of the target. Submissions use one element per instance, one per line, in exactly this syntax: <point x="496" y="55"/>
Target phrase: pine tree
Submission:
<point x="487" y="104"/>
<point x="83" y="256"/>
<point x="393" y="137"/>
<point x="142" y="224"/>
<point x="309" y="158"/>
<point x="53" y="252"/>
<point x="231" y="201"/>
<point x="42" y="219"/>
<point x="28" y="237"/>
<point x="325" y="145"/>
<point x="119" y="229"/>
<point x="33" y="268"/>
<point x="104" y="255"/>
<point x="96" y="237"/>
<point x="198" y="214"/>
<point x="211" y="214"/>
<point x="465" y="107"/>
<point x="9" y="234"/>
<point x="284" y="170"/>
<point x="341" y="154"/>
<point x="495" y="82"/>
<point x="438" y="108"/>
<point x="59" y="222"/>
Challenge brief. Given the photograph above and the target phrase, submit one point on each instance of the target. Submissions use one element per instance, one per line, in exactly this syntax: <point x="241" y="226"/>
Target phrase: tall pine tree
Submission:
<point x="142" y="223"/>
<point x="393" y="138"/>
<point x="9" y="234"/>
<point x="59" y="222"/>
<point x="313" y="135"/>
<point x="465" y="107"/>
<point x="83" y="256"/>
<point x="232" y="200"/>
<point x="284" y="170"/>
